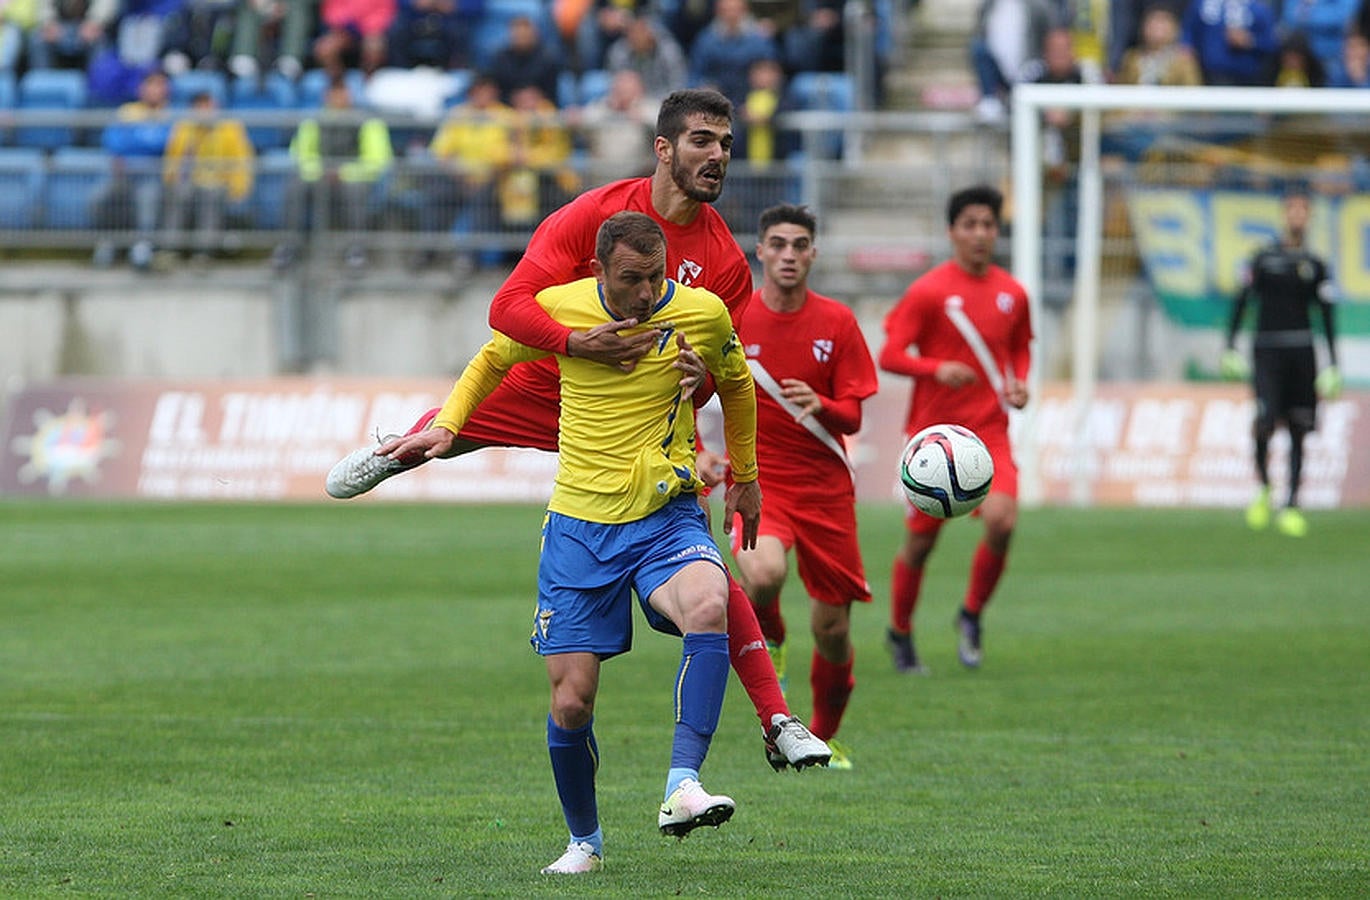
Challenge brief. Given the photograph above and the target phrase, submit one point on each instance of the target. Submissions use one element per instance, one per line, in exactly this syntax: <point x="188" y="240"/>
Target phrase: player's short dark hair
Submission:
<point x="788" y="214"/>
<point x="636" y="231"/>
<point x="670" y="121"/>
<point x="976" y="195"/>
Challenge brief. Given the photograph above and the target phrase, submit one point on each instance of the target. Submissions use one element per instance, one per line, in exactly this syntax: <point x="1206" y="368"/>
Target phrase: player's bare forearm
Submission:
<point x="743" y="501"/>
<point x="607" y="344"/>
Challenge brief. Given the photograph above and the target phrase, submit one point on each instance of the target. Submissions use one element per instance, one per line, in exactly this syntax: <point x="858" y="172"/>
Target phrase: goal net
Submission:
<point x="1132" y="227"/>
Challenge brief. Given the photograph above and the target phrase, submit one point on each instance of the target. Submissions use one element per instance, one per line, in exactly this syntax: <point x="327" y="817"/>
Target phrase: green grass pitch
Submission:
<point x="339" y="700"/>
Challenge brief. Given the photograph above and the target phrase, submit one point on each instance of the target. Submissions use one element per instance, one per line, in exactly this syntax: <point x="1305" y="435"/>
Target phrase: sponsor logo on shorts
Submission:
<point x="697" y="551"/>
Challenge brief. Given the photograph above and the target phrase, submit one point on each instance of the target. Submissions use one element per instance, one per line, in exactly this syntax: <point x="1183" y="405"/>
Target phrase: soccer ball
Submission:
<point x="946" y="470"/>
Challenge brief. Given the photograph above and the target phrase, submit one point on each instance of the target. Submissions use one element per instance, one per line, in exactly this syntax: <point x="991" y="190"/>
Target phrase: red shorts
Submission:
<point x="823" y="537"/>
<point x="1005" y="482"/>
<point x="522" y="412"/>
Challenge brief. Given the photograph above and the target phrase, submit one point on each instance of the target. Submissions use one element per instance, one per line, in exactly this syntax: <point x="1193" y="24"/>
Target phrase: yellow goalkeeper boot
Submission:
<point x="1291" y="522"/>
<point x="1258" y="513"/>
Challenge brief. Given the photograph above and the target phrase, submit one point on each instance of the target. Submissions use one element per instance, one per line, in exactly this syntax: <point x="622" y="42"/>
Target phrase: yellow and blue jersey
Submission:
<point x="627" y="439"/>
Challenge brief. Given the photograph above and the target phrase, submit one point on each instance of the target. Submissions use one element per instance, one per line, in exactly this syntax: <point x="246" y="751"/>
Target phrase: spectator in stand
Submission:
<point x="724" y="52"/>
<point x="1007" y="32"/>
<point x="604" y="24"/>
<point x="759" y="139"/>
<point x="649" y="50"/>
<point x="526" y="58"/>
<point x="540" y="176"/>
<point x="688" y="19"/>
<point x="816" y="42"/>
<point x="1323" y="23"/>
<point x="209" y="162"/>
<point x="133" y="199"/>
<point x="1297" y="65"/>
<point x="342" y="160"/>
<point x="143" y="29"/>
<point x="1235" y="40"/>
<point x="617" y="126"/>
<point x="272" y="34"/>
<point x="1353" y="70"/>
<point x="433" y="33"/>
<point x="70" y="33"/>
<point x="17" y="21"/>
<point x="1360" y="22"/>
<point x="200" y="36"/>
<point x="353" y="26"/>
<point x="473" y="150"/>
<point x="1058" y="64"/>
<point x="1160" y="58"/>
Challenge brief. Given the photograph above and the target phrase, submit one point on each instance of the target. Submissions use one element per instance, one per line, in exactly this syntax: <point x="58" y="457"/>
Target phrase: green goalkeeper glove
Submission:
<point x="1233" y="365"/>
<point x="1328" y="383"/>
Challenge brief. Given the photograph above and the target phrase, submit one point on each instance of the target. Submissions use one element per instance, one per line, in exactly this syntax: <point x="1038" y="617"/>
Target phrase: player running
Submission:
<point x="812" y="370"/>
<point x="969" y="320"/>
<point x="693" y="145"/>
<point x="623" y="516"/>
<point x="1286" y="281"/>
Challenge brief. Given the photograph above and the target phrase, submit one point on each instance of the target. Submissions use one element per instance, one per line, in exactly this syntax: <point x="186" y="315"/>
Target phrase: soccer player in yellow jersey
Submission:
<point x="623" y="516"/>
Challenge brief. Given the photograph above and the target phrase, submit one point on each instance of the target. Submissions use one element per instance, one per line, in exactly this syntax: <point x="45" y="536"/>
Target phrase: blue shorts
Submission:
<point x="587" y="570"/>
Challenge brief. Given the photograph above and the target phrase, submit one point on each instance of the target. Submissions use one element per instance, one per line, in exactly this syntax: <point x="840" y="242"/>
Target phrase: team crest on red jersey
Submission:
<point x="822" y="349"/>
<point x="1004" y="301"/>
<point x="688" y="272"/>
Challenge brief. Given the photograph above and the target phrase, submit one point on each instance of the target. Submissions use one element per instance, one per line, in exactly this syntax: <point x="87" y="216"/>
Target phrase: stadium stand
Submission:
<point x="50" y="89"/>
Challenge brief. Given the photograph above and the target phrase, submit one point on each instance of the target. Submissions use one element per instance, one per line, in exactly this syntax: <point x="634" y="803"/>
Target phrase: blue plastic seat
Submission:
<point x="594" y="85"/>
<point x="492" y="30"/>
<point x="824" y="92"/>
<point x="21" y="187"/>
<point x="275" y="92"/>
<point x="50" y="89"/>
<point x="186" y="85"/>
<point x="270" y="189"/>
<point x="76" y="176"/>
<point x="314" y="84"/>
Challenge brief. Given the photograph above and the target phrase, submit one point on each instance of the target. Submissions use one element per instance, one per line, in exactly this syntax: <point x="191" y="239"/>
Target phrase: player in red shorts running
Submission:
<point x="812" y="370"/>
<point x="693" y="145"/>
<point x="970" y="323"/>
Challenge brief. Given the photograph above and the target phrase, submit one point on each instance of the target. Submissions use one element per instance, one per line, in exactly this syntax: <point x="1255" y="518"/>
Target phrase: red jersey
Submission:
<point x="822" y="345"/>
<point x="996" y="305"/>
<point x="703" y="254"/>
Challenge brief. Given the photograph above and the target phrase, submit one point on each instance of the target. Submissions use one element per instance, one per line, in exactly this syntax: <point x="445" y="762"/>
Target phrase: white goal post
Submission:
<point x="1029" y="100"/>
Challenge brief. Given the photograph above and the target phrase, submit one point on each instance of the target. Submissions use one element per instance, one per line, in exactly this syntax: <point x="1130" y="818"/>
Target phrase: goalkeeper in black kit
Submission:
<point x="1285" y="282"/>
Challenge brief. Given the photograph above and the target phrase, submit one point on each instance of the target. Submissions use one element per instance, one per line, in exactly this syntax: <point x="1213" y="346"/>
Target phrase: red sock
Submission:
<point x="985" y="569"/>
<point x="772" y="621"/>
<point x="751" y="662"/>
<point x="424" y="421"/>
<point x="832" y="685"/>
<point x="905" y="584"/>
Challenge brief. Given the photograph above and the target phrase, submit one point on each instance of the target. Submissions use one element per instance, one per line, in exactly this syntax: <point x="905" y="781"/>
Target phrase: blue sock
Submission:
<point x="699" y="687"/>
<point x="575" y="759"/>
<point x="676" y="775"/>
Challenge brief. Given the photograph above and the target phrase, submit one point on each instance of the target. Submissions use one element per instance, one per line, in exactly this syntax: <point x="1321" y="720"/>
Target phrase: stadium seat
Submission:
<point x="274" y="92"/>
<point x="9" y="96"/>
<point x="823" y="92"/>
<point x="199" y="81"/>
<point x="21" y="187"/>
<point x="314" y="84"/>
<point x="76" y="176"/>
<point x="461" y="83"/>
<point x="275" y="168"/>
<point x="594" y="85"/>
<point x="568" y="91"/>
<point x="50" y="89"/>
<point x="492" y="31"/>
